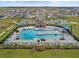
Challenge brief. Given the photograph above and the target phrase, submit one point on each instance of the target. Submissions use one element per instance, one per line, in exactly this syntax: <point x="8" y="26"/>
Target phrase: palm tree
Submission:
<point x="17" y="31"/>
<point x="42" y="40"/>
<point x="38" y="42"/>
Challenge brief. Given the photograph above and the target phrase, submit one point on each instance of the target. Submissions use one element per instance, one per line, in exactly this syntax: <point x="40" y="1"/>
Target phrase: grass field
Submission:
<point x="7" y="23"/>
<point x="44" y="54"/>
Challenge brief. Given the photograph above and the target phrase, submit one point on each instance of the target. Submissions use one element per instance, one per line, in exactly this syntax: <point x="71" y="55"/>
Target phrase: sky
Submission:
<point x="40" y="3"/>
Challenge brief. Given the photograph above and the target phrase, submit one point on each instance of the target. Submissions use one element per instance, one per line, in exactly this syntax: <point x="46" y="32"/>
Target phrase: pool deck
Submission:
<point x="68" y="38"/>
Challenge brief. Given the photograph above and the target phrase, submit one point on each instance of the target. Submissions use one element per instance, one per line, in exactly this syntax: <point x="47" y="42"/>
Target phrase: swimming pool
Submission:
<point x="30" y="34"/>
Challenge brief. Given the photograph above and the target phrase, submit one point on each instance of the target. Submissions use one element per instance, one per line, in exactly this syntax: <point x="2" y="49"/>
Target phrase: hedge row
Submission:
<point x="42" y="47"/>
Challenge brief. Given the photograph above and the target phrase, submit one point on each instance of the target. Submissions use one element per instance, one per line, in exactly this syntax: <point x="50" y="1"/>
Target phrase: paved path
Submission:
<point x="7" y="30"/>
<point x="2" y="33"/>
<point x="74" y="23"/>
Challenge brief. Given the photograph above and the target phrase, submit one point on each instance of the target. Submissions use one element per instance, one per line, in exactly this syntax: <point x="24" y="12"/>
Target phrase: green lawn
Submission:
<point x="6" y="34"/>
<point x="75" y="30"/>
<point x="7" y="23"/>
<point x="44" y="54"/>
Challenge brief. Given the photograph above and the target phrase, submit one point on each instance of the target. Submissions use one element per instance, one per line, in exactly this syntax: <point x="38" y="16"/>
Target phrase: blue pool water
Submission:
<point x="31" y="34"/>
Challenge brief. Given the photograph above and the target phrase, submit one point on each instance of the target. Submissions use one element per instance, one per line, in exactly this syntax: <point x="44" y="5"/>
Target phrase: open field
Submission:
<point x="17" y="53"/>
<point x="6" y="23"/>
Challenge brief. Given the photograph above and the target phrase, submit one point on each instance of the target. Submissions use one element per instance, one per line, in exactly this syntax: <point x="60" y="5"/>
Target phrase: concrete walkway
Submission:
<point x="68" y="38"/>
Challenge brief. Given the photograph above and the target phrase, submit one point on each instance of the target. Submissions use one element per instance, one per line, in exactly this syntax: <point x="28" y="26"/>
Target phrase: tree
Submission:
<point x="42" y="40"/>
<point x="17" y="31"/>
<point x="38" y="42"/>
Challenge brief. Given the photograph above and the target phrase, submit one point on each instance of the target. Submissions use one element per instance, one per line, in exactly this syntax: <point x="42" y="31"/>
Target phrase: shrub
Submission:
<point x="40" y="48"/>
<point x="48" y="47"/>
